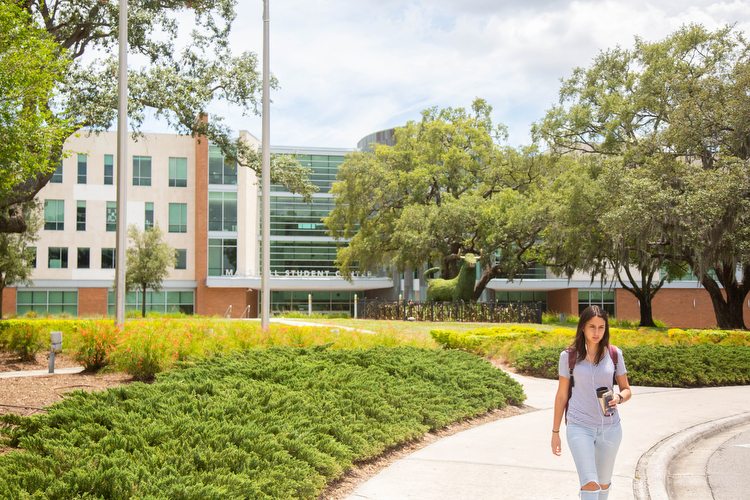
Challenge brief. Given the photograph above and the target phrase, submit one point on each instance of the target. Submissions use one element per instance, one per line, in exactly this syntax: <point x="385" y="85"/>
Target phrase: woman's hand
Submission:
<point x="556" y="444"/>
<point x="616" y="399"/>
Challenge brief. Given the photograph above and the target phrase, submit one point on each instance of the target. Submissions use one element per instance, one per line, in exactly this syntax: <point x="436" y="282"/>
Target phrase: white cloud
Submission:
<point x="347" y="69"/>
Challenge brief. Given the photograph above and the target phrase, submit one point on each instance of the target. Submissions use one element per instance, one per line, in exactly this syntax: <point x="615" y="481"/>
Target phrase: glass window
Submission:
<point x="605" y="300"/>
<point x="109" y="169"/>
<point x="54" y="302"/>
<point x="290" y="216"/>
<point x="84" y="258"/>
<point x="181" y="262"/>
<point x="178" y="172"/>
<point x="141" y="170"/>
<point x="32" y="256"/>
<point x="222" y="211"/>
<point x="169" y="302"/>
<point x="57" y="257"/>
<point x="222" y="257"/>
<point x="54" y="215"/>
<point x="81" y="169"/>
<point x="111" y="216"/>
<point x="149" y="216"/>
<point x="57" y="176"/>
<point x="303" y="255"/>
<point x="178" y="217"/>
<point x="108" y="258"/>
<point x="220" y="171"/>
<point x="80" y="215"/>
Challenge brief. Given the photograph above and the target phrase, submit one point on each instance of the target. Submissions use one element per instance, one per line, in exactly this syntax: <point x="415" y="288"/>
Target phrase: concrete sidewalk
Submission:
<point x="38" y="373"/>
<point x="512" y="458"/>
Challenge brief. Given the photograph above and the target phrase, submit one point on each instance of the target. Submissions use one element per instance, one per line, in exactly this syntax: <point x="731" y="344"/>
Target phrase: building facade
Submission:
<point x="209" y="211"/>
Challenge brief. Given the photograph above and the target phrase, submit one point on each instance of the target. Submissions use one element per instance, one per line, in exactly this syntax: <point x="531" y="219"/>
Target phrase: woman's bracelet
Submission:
<point x="556" y="432"/>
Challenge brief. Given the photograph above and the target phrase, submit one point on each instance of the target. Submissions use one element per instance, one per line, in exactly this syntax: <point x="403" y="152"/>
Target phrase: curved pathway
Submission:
<point x="511" y="458"/>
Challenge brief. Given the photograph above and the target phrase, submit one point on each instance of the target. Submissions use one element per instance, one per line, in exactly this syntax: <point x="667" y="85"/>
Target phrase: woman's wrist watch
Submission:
<point x="621" y="399"/>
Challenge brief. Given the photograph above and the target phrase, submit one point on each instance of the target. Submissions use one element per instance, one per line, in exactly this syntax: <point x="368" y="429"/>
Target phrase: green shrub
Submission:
<point x="622" y="323"/>
<point x="262" y="424"/>
<point x="661" y="366"/>
<point x="93" y="343"/>
<point x="550" y="317"/>
<point x="25" y="340"/>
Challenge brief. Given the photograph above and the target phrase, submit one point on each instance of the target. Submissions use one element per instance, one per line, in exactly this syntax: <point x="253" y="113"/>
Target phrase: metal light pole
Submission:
<point x="265" y="276"/>
<point x="122" y="165"/>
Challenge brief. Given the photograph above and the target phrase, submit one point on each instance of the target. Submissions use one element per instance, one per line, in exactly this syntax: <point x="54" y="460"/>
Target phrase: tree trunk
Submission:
<point x="143" y="306"/>
<point x="729" y="309"/>
<point x="647" y="318"/>
<point x="644" y="293"/>
<point x="488" y="272"/>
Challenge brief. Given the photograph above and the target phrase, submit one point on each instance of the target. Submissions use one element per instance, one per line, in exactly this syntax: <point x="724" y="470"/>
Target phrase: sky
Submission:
<point x="349" y="68"/>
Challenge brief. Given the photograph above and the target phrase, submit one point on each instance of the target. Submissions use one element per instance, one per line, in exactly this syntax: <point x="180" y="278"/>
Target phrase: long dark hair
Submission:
<point x="579" y="344"/>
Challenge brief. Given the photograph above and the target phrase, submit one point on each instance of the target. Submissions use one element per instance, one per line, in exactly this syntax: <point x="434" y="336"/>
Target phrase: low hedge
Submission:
<point x="145" y="347"/>
<point x="661" y="366"/>
<point x="260" y="424"/>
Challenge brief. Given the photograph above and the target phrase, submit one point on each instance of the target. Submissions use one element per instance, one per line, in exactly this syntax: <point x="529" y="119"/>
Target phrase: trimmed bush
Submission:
<point x="94" y="343"/>
<point x="25" y="340"/>
<point x="661" y="366"/>
<point x="262" y="424"/>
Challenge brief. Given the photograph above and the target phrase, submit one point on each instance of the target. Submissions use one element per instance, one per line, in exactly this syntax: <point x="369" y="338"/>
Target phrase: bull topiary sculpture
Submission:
<point x="459" y="288"/>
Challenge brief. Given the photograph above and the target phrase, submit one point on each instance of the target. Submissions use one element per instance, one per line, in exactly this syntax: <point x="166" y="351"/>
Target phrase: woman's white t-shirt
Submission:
<point x="584" y="408"/>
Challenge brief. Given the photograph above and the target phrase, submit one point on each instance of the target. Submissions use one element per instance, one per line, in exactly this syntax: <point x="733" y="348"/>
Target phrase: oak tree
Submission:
<point x="674" y="115"/>
<point x="448" y="185"/>
<point x="176" y="83"/>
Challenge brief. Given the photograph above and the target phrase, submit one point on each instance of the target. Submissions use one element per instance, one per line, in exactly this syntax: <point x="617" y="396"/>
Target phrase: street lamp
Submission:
<point x="122" y="166"/>
<point x="265" y="275"/>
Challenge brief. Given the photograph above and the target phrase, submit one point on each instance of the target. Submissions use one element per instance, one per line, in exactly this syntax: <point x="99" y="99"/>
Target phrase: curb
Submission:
<point x="650" y="481"/>
<point x="39" y="373"/>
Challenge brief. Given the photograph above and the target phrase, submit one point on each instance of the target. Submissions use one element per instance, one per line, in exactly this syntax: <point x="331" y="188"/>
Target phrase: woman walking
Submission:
<point x="593" y="422"/>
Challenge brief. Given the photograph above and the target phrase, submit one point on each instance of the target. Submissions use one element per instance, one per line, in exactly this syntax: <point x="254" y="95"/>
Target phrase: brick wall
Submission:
<point x="9" y="300"/>
<point x="677" y="308"/>
<point x="201" y="226"/>
<point x="92" y="301"/>
<point x="216" y="301"/>
<point x="563" y="301"/>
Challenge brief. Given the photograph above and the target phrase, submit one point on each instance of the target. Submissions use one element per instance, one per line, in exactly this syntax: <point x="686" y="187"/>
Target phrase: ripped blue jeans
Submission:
<point x="594" y="451"/>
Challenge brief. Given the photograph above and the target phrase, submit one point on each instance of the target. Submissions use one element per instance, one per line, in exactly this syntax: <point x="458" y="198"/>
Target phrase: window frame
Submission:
<point x="80" y="215"/>
<point x="139" y="178"/>
<point x="82" y="168"/>
<point x="223" y="223"/>
<point x="110" y="216"/>
<point x="180" y="258"/>
<point x="57" y="175"/>
<point x="179" y="225"/>
<point x="148" y="222"/>
<point x="58" y="224"/>
<point x="62" y="257"/>
<point x="109" y="170"/>
<point x="175" y="167"/>
<point x="87" y="253"/>
<point x="113" y="258"/>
